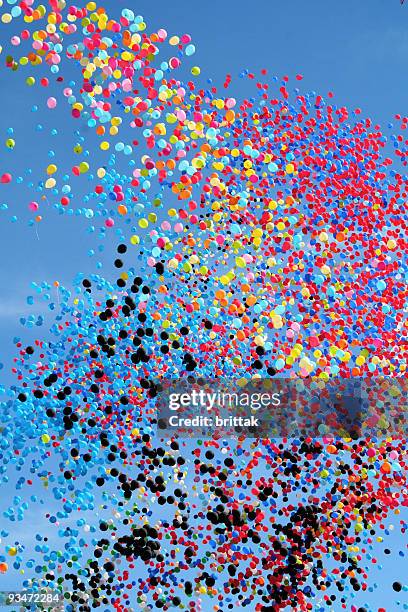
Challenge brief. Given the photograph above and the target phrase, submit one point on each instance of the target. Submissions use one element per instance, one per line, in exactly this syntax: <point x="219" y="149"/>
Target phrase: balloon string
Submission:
<point x="36" y="232"/>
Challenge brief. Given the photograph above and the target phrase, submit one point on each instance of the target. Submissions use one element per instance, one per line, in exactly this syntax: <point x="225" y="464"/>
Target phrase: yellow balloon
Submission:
<point x="52" y="168"/>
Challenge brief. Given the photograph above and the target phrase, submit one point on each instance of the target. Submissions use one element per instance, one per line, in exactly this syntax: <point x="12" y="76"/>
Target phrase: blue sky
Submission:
<point x="356" y="48"/>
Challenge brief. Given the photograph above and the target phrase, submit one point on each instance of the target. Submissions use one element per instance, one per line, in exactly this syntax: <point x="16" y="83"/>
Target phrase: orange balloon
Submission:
<point x="385" y="468"/>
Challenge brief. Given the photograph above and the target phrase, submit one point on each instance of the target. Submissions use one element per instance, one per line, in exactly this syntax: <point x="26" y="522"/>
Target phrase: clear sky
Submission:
<point x="356" y="48"/>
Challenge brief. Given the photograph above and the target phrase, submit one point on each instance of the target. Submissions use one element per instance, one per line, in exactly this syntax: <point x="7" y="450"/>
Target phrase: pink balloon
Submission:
<point x="51" y="102"/>
<point x="174" y="62"/>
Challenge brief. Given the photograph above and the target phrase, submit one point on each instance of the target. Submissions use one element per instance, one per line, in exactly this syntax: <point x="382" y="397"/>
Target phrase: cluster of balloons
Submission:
<point x="270" y="241"/>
